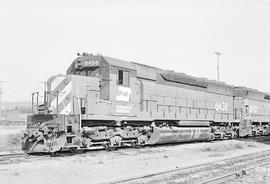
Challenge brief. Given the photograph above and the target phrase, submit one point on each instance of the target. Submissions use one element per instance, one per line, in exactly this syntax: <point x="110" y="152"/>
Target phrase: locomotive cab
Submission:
<point x="56" y="124"/>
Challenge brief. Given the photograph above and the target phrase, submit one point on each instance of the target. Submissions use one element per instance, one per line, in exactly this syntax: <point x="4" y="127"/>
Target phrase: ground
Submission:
<point x="10" y="139"/>
<point x="102" y="166"/>
<point x="260" y="175"/>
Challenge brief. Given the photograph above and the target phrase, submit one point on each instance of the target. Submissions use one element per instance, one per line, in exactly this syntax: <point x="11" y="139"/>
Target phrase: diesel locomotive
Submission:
<point x="107" y="102"/>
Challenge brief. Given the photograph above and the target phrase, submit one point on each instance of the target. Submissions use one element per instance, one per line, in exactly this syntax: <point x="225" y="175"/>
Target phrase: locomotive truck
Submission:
<point x="110" y="103"/>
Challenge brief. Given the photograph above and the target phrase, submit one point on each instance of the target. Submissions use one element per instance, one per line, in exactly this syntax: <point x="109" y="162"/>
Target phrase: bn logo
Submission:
<point x="124" y="94"/>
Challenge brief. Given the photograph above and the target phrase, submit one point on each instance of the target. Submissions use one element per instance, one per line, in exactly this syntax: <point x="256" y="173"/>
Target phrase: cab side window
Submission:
<point x="123" y="78"/>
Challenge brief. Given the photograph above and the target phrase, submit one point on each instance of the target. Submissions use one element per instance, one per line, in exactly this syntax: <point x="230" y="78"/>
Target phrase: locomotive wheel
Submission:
<point x="115" y="141"/>
<point x="212" y="137"/>
<point x="234" y="135"/>
<point x="74" y="150"/>
<point x="109" y="148"/>
<point x="222" y="136"/>
<point x="136" y="146"/>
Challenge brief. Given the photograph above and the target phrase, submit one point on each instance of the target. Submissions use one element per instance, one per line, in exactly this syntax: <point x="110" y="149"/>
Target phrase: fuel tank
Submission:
<point x="163" y="135"/>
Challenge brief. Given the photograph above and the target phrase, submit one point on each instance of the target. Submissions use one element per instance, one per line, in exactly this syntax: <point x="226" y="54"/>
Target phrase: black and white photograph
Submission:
<point x="135" y="91"/>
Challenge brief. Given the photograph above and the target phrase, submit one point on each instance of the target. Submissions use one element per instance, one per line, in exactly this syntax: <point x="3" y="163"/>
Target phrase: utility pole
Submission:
<point x="218" y="54"/>
<point x="1" y="92"/>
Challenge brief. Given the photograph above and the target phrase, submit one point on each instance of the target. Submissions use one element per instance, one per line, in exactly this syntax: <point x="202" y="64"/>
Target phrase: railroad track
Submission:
<point x="9" y="158"/>
<point x="207" y="173"/>
<point x="19" y="157"/>
<point x="233" y="175"/>
<point x="11" y="155"/>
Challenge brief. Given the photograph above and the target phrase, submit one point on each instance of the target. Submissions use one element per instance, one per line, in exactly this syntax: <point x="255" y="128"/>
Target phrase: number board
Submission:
<point x="87" y="63"/>
<point x="90" y="63"/>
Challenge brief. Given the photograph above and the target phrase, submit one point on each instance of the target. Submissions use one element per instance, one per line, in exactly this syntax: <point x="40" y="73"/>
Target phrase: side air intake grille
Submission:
<point x="183" y="79"/>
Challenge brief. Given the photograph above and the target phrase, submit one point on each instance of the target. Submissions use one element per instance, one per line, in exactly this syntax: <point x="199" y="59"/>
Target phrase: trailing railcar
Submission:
<point x="102" y="101"/>
<point x="252" y="108"/>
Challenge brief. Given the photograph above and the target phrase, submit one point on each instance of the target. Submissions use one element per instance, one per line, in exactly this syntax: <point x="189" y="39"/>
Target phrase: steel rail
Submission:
<point x="11" y="155"/>
<point x="164" y="145"/>
<point x="10" y="158"/>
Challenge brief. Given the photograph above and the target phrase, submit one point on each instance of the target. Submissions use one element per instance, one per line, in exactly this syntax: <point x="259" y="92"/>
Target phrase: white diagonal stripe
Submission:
<point x="67" y="109"/>
<point x="62" y="95"/>
<point x="56" y="82"/>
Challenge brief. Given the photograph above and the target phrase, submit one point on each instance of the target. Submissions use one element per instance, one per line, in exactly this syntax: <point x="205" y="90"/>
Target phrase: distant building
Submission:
<point x="14" y="113"/>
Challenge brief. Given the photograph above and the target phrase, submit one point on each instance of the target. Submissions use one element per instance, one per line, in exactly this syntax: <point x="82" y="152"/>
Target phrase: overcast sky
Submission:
<point x="41" y="38"/>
